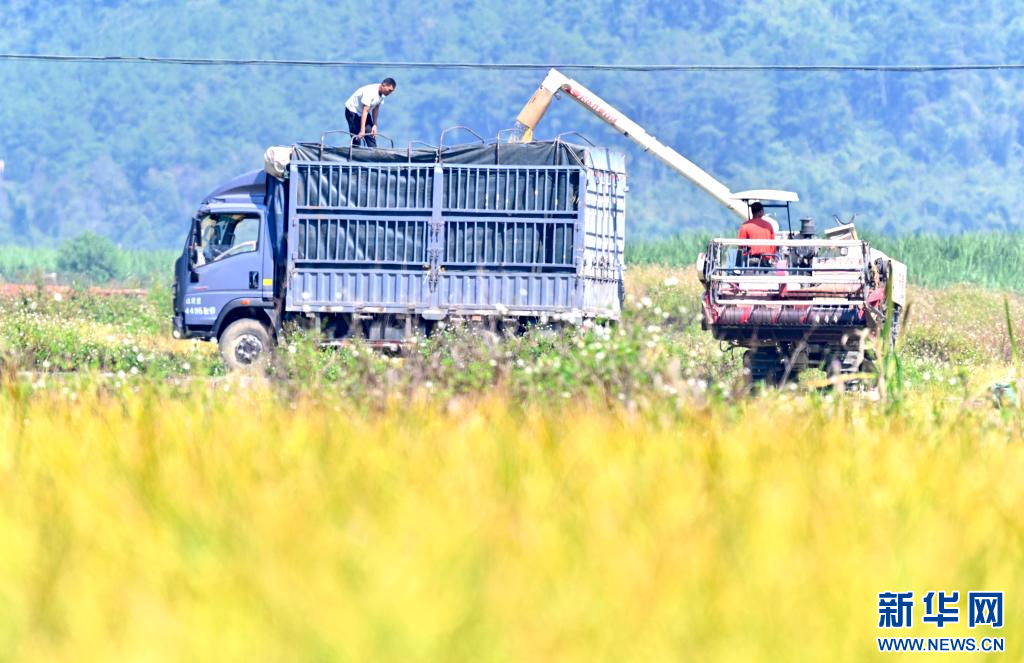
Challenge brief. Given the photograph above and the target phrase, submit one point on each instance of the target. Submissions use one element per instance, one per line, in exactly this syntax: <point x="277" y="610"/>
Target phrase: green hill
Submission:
<point x="128" y="150"/>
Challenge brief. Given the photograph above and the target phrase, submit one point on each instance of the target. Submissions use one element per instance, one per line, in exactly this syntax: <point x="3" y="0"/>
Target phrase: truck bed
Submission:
<point x="511" y="230"/>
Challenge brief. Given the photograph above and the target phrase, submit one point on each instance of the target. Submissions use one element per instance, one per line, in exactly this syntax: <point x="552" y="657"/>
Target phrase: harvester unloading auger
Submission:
<point x="818" y="301"/>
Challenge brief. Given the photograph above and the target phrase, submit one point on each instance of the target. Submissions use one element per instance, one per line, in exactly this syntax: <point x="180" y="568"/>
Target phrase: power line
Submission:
<point x="653" y="68"/>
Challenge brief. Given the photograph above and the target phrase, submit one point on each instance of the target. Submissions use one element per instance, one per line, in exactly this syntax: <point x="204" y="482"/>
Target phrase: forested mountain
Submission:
<point x="128" y="150"/>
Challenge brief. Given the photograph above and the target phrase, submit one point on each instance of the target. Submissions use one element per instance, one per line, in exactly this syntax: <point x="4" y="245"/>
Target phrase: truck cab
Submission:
<point x="225" y="273"/>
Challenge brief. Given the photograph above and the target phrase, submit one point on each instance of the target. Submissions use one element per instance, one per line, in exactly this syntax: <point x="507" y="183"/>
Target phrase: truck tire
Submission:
<point x="245" y="344"/>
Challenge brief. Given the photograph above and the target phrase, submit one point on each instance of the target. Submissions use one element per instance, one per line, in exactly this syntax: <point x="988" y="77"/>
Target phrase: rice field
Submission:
<point x="611" y="494"/>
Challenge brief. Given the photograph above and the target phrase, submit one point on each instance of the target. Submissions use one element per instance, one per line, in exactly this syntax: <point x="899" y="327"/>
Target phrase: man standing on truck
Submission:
<point x="757" y="227"/>
<point x="362" y="111"/>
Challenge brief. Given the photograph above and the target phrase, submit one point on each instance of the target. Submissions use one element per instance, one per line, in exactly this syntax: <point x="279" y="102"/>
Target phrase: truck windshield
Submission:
<point x="225" y="235"/>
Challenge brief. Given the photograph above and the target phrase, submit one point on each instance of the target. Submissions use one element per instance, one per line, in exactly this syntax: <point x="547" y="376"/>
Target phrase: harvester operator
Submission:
<point x="757" y="227"/>
<point x="362" y="111"/>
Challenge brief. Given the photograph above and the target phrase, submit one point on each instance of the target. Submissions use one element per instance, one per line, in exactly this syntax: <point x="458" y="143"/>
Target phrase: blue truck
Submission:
<point x="384" y="244"/>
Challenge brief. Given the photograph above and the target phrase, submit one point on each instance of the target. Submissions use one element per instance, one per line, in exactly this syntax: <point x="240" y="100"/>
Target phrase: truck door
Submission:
<point x="228" y="259"/>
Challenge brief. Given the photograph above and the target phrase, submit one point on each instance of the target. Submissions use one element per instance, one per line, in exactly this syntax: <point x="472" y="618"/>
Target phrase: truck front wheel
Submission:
<point x="245" y="344"/>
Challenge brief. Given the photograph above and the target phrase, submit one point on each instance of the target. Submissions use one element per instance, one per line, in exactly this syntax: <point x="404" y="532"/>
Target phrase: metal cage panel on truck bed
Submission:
<point x="527" y="238"/>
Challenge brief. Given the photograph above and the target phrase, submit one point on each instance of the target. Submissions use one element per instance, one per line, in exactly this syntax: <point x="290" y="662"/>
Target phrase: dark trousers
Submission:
<point x="764" y="261"/>
<point x="354" y="121"/>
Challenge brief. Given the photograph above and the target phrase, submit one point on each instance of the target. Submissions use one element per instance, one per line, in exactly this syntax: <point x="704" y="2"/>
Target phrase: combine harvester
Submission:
<point x="821" y="302"/>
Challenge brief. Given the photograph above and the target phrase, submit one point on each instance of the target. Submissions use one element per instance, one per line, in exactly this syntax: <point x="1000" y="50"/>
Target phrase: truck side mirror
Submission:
<point x="193" y="275"/>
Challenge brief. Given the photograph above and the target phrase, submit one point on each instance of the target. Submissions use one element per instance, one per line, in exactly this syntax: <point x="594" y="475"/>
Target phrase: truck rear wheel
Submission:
<point x="245" y="344"/>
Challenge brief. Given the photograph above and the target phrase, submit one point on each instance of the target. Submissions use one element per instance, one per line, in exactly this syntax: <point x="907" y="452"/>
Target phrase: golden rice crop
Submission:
<point x="229" y="522"/>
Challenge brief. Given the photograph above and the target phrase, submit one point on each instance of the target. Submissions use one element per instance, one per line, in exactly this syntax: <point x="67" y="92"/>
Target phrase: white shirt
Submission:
<point x="367" y="96"/>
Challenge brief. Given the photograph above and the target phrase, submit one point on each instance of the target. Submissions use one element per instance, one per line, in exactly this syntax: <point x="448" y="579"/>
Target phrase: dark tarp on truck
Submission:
<point x="533" y="230"/>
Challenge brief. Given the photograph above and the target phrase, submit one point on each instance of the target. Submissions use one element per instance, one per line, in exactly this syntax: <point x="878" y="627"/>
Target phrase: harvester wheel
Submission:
<point x="763" y="365"/>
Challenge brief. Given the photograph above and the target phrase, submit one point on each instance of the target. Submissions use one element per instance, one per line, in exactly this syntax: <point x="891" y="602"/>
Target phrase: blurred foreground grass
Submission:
<point x="236" y="522"/>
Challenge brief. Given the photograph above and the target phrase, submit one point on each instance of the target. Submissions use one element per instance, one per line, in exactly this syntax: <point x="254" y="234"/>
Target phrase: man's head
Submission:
<point x="387" y="86"/>
<point x="756" y="210"/>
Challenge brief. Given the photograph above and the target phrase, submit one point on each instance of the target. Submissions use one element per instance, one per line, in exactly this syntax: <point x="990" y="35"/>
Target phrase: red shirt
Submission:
<point x="758" y="229"/>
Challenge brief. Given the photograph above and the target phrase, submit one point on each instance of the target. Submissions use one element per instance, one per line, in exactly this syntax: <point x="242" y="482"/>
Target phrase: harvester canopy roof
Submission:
<point x="771" y="195"/>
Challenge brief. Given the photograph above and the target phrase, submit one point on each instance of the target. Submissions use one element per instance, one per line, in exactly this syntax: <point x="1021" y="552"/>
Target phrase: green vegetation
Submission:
<point x="987" y="259"/>
<point x="128" y="151"/>
<point x="92" y="258"/>
<point x="675" y="251"/>
<point x="19" y="264"/>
